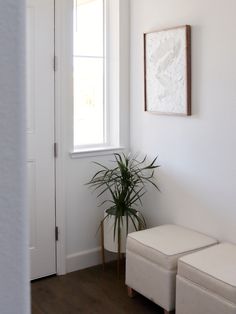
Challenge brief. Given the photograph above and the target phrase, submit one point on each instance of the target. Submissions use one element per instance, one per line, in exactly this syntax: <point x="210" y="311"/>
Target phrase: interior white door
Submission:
<point x="40" y="135"/>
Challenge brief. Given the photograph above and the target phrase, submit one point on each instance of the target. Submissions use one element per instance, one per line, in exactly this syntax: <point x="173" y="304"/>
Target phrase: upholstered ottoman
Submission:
<point x="151" y="260"/>
<point x="206" y="281"/>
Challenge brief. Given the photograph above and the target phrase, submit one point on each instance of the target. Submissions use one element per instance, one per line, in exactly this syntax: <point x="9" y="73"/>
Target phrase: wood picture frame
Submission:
<point x="167" y="71"/>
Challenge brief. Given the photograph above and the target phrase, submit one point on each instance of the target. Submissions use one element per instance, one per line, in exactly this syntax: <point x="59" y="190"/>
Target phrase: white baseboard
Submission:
<point x="86" y="259"/>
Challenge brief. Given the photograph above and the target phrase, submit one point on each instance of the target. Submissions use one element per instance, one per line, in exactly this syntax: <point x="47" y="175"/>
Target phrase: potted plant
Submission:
<point x="123" y="186"/>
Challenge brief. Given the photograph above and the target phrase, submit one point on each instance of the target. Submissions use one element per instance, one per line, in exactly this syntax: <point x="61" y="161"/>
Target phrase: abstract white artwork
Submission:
<point x="167" y="71"/>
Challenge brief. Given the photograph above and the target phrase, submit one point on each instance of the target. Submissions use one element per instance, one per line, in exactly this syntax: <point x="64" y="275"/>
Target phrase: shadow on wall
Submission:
<point x="179" y="197"/>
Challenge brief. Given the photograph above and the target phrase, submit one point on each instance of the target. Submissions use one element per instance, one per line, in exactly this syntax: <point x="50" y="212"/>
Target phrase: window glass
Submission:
<point x="88" y="73"/>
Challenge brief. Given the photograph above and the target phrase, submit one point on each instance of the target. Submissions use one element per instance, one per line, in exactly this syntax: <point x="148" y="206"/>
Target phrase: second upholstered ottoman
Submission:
<point x="206" y="281"/>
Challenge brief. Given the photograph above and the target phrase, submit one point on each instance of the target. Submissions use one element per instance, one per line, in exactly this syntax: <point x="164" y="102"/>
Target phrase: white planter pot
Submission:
<point x="109" y="243"/>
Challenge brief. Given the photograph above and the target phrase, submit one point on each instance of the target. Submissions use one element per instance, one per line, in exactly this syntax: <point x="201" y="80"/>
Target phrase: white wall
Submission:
<point x="14" y="286"/>
<point x="198" y="153"/>
<point x="82" y="216"/>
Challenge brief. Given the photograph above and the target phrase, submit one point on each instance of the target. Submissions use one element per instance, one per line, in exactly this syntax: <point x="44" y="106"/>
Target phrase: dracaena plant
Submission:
<point x="124" y="185"/>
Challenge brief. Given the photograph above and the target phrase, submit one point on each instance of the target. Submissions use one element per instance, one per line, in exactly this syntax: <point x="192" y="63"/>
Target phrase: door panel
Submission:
<point x="40" y="136"/>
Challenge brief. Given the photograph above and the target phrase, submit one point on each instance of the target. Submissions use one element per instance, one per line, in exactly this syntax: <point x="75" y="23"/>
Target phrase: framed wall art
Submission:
<point x="167" y="69"/>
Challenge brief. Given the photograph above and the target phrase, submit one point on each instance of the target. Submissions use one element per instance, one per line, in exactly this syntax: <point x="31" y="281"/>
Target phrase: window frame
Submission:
<point x="118" y="67"/>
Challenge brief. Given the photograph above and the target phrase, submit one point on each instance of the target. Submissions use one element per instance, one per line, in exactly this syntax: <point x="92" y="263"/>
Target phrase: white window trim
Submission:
<point x="117" y="74"/>
<point x="95" y="151"/>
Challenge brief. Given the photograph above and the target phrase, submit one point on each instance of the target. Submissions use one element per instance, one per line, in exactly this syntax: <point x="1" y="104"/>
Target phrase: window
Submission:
<point x="89" y="74"/>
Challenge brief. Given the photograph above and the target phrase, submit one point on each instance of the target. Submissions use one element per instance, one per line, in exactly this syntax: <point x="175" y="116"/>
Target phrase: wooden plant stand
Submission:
<point x="119" y="254"/>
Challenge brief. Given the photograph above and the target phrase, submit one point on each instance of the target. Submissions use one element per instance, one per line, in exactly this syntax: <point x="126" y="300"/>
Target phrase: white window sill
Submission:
<point x="93" y="152"/>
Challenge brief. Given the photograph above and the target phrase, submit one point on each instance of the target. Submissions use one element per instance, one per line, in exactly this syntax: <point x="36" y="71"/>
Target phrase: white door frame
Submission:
<point x="63" y="114"/>
<point x="40" y="135"/>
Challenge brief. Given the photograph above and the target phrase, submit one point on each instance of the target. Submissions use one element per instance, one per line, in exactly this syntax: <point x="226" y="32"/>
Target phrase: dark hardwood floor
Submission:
<point x="89" y="291"/>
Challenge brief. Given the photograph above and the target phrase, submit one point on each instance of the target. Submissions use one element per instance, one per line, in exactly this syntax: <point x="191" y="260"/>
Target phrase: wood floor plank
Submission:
<point x="89" y="291"/>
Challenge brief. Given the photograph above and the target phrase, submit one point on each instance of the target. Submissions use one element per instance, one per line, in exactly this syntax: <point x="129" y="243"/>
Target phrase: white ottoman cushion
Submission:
<point x="165" y="244"/>
<point x="213" y="269"/>
<point x="151" y="260"/>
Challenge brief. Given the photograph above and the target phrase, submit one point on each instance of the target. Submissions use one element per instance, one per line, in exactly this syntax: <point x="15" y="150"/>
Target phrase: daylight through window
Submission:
<point x="89" y="73"/>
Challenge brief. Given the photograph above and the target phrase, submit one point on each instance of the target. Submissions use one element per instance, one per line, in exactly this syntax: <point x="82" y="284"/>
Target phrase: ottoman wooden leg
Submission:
<point x="131" y="292"/>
